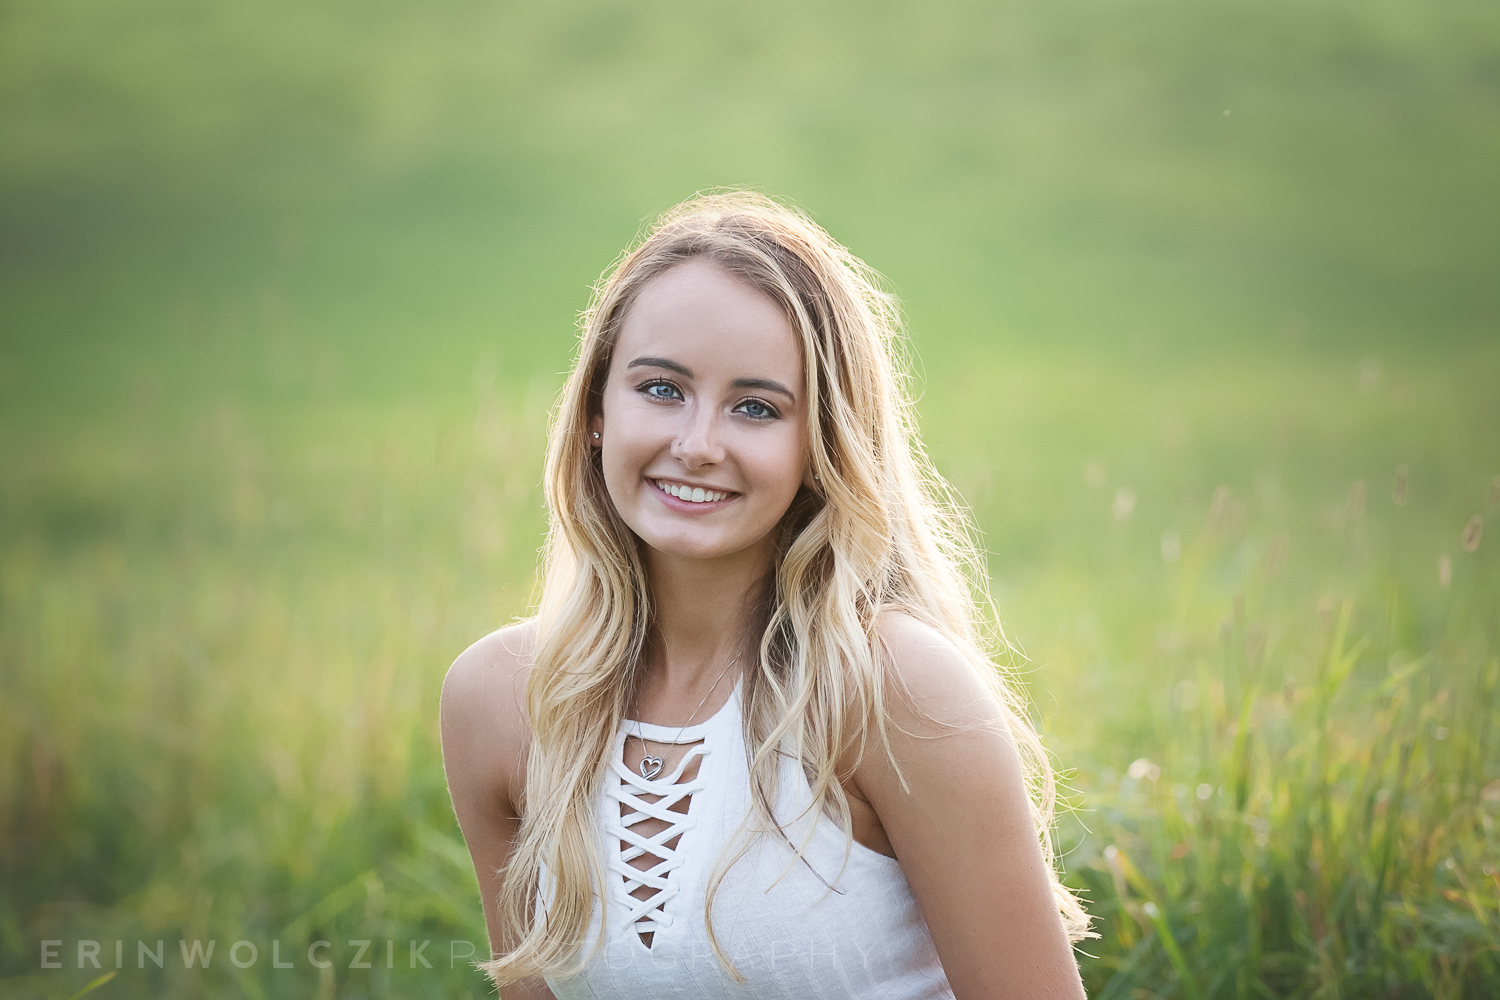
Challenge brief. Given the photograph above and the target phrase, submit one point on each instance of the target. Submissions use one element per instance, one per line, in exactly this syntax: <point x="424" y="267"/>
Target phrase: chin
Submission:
<point x="688" y="548"/>
<point x="691" y="544"/>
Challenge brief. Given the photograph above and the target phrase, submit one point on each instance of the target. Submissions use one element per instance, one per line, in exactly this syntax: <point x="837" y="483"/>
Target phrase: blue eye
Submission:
<point x="669" y="391"/>
<point x="757" y="409"/>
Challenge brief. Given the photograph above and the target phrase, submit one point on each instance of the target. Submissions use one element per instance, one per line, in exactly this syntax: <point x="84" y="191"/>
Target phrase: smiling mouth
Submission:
<point x="691" y="494"/>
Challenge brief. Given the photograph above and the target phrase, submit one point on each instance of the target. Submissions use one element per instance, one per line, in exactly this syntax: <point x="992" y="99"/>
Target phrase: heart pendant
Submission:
<point x="650" y="767"/>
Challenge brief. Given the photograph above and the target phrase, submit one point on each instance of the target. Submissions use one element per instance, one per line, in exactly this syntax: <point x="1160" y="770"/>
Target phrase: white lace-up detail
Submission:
<point x="789" y="935"/>
<point x="647" y="915"/>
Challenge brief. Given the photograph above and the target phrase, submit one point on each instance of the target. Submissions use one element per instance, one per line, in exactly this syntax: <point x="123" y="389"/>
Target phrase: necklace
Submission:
<point x="651" y="766"/>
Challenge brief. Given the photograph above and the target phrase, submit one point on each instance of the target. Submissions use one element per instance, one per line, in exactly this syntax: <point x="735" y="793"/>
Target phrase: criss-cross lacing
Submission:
<point x="649" y="914"/>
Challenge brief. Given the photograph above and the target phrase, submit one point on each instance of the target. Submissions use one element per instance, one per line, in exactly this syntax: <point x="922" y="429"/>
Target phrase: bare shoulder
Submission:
<point x="933" y="679"/>
<point x="958" y="816"/>
<point x="485" y="731"/>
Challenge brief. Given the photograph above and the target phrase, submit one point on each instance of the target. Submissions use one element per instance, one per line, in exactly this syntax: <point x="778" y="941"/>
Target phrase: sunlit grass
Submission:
<point x="1317" y="817"/>
<point x="223" y="638"/>
<point x="221" y="647"/>
<point x="1202" y="293"/>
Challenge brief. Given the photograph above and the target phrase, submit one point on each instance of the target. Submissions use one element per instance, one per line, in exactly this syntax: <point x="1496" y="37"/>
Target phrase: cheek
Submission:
<point x="777" y="460"/>
<point x="634" y="429"/>
<point x="624" y="457"/>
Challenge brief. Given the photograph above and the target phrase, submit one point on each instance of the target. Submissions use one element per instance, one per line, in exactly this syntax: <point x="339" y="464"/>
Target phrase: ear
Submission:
<point x="596" y="430"/>
<point x="810" y="480"/>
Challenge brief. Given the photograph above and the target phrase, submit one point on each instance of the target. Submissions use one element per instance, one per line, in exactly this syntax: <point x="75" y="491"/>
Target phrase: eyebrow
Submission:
<point x="766" y="384"/>
<point x="667" y="363"/>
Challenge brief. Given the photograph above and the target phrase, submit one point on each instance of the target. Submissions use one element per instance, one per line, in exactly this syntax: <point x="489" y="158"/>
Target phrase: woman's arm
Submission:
<point x="485" y="741"/>
<point x="963" y="833"/>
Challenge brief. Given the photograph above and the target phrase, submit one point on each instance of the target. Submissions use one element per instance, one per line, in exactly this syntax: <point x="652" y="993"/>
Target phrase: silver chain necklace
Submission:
<point x="651" y="766"/>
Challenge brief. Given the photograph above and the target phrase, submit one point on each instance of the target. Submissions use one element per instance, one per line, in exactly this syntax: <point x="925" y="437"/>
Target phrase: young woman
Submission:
<point x="751" y="744"/>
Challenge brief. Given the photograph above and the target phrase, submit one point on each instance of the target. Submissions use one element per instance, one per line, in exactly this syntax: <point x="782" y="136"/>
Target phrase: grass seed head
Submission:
<point x="1325" y="611"/>
<point x="1218" y="510"/>
<point x="1357" y="499"/>
<point x="1171" y="546"/>
<point x="1275" y="556"/>
<point x="1255" y="644"/>
<point x="1473" y="531"/>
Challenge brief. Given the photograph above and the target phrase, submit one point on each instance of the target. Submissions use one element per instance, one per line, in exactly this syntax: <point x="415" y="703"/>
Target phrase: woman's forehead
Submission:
<point x="704" y="319"/>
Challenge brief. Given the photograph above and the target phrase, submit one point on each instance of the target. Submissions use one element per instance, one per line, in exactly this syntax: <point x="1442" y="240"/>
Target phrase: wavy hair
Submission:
<point x="885" y="532"/>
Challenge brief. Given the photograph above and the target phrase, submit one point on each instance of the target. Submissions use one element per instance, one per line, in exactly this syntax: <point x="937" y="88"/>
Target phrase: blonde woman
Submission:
<point x="751" y="745"/>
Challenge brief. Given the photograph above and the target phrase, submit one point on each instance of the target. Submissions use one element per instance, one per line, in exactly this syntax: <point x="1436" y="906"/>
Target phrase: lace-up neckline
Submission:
<point x="789" y="935"/>
<point x="667" y="798"/>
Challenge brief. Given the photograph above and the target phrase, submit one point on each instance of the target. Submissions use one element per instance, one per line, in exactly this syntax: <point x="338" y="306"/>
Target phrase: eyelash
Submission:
<point x="645" y="387"/>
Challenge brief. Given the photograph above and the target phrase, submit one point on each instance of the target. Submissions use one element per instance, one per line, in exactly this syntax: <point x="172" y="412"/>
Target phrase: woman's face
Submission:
<point x="703" y="429"/>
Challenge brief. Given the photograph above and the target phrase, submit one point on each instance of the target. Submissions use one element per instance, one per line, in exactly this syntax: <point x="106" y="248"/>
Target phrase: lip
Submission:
<point x="687" y="506"/>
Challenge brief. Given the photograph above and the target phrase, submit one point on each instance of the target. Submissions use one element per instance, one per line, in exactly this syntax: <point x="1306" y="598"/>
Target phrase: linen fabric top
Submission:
<point x="795" y="930"/>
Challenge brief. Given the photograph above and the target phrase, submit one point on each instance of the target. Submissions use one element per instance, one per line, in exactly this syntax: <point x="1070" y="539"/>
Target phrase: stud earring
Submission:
<point x="596" y="435"/>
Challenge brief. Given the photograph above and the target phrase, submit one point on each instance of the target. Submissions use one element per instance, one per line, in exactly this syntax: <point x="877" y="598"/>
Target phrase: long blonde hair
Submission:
<point x="885" y="532"/>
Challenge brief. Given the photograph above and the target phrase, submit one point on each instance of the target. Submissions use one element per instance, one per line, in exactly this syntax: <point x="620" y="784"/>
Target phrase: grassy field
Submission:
<point x="1204" y="302"/>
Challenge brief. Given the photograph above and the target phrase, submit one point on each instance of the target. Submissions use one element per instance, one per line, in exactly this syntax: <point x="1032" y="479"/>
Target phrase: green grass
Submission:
<point x="286" y="294"/>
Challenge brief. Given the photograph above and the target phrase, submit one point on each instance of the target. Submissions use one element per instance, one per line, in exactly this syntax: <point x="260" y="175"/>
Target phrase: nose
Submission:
<point x="697" y="442"/>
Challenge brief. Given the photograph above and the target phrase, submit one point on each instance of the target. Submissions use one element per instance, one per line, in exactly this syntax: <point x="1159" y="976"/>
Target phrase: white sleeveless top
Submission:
<point x="790" y="934"/>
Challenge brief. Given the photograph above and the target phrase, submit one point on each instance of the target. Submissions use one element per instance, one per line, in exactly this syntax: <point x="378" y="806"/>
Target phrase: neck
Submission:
<point x="700" y="617"/>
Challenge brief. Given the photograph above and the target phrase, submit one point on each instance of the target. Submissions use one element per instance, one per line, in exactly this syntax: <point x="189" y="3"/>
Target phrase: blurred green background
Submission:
<point x="1204" y="298"/>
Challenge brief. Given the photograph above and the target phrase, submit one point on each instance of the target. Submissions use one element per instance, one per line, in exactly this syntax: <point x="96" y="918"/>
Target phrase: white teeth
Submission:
<point x="691" y="494"/>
